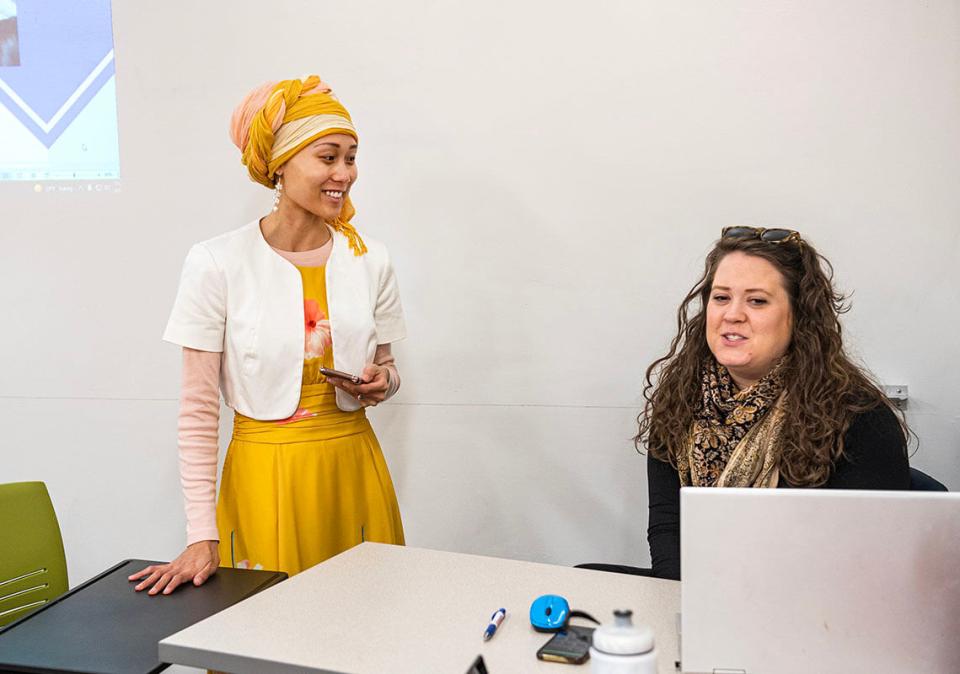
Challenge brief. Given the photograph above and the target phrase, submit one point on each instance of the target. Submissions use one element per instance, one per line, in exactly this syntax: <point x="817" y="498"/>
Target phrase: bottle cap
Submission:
<point x="623" y="637"/>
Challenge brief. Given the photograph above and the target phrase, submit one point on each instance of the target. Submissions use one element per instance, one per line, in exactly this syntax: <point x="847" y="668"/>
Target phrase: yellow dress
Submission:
<point x="298" y="491"/>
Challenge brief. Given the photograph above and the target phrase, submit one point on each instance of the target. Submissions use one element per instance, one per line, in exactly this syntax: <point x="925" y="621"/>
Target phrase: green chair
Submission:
<point x="33" y="566"/>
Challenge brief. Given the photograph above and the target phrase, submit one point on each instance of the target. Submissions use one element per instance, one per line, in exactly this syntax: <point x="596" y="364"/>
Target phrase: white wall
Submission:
<point x="548" y="176"/>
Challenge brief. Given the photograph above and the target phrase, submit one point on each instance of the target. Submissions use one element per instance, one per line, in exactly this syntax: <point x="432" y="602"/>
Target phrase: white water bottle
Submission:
<point x="623" y="648"/>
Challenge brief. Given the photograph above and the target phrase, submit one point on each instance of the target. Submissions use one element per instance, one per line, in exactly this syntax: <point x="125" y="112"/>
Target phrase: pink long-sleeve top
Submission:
<point x="199" y="419"/>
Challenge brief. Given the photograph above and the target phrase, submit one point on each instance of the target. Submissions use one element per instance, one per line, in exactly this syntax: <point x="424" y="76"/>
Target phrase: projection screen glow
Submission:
<point x="58" y="104"/>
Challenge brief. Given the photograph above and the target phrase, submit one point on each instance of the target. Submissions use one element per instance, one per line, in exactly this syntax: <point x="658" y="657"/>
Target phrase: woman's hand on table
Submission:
<point x="373" y="390"/>
<point x="195" y="564"/>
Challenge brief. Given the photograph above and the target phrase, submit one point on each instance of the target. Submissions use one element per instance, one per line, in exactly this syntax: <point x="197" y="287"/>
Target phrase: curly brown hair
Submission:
<point x="825" y="387"/>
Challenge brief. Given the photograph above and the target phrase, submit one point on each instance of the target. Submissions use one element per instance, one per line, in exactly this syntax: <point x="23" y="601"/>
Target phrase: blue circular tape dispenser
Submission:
<point x="549" y="613"/>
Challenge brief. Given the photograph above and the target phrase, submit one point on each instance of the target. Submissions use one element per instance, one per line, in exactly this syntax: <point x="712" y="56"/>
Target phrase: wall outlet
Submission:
<point x="898" y="394"/>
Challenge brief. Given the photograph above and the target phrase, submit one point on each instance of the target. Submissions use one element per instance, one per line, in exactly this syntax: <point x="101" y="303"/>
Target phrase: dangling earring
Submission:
<point x="277" y="193"/>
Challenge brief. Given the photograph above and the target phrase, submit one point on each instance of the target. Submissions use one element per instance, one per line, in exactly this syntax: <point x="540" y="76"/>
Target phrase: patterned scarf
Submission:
<point x="735" y="439"/>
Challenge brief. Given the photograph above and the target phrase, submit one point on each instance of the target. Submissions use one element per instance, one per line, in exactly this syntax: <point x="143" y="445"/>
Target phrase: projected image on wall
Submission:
<point x="9" y="40"/>
<point x="58" y="104"/>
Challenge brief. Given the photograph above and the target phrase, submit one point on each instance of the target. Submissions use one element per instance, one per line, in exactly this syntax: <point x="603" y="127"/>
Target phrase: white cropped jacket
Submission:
<point x="237" y="296"/>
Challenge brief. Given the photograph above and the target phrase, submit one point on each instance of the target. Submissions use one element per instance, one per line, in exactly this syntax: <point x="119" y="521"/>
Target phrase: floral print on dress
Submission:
<point x="317" y="346"/>
<point x="317" y="339"/>
<point x="301" y="413"/>
<point x="245" y="564"/>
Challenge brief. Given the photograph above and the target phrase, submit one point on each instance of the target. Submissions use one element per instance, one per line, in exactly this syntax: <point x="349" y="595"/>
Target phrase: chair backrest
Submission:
<point x="33" y="566"/>
<point x="920" y="481"/>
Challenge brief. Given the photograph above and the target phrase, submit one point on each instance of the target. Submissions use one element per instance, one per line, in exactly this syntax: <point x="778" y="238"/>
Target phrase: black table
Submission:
<point x="104" y="627"/>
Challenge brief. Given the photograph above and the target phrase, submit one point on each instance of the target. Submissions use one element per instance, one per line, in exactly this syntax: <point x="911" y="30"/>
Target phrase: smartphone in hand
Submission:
<point x="328" y="372"/>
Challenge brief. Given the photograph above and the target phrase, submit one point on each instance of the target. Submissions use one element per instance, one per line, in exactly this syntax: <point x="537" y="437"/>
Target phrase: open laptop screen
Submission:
<point x="791" y="580"/>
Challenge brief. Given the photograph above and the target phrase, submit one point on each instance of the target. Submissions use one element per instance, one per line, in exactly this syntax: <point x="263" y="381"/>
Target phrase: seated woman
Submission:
<point x="756" y="390"/>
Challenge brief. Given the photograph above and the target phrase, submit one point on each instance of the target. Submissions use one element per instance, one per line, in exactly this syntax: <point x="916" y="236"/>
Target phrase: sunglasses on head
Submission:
<point x="769" y="235"/>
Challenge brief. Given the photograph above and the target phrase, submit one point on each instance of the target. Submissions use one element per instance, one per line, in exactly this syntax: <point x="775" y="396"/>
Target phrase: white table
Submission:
<point x="383" y="609"/>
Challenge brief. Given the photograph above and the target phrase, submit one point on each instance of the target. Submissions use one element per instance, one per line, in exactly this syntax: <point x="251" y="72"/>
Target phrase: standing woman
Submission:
<point x="260" y="310"/>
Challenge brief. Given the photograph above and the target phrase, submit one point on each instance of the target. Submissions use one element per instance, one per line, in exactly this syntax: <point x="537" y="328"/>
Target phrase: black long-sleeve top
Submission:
<point x="874" y="457"/>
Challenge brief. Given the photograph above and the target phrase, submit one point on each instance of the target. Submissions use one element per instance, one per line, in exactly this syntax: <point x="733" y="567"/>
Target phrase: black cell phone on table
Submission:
<point x="329" y="372"/>
<point x="571" y="645"/>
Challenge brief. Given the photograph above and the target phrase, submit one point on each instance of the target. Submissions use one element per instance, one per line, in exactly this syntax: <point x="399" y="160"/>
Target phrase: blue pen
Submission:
<point x="495" y="621"/>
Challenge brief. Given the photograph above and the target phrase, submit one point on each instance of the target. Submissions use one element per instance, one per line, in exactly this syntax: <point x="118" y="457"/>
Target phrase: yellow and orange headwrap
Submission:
<point x="278" y="119"/>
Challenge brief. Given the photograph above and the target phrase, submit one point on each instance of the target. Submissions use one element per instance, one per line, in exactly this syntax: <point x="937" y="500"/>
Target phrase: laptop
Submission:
<point x="781" y="581"/>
